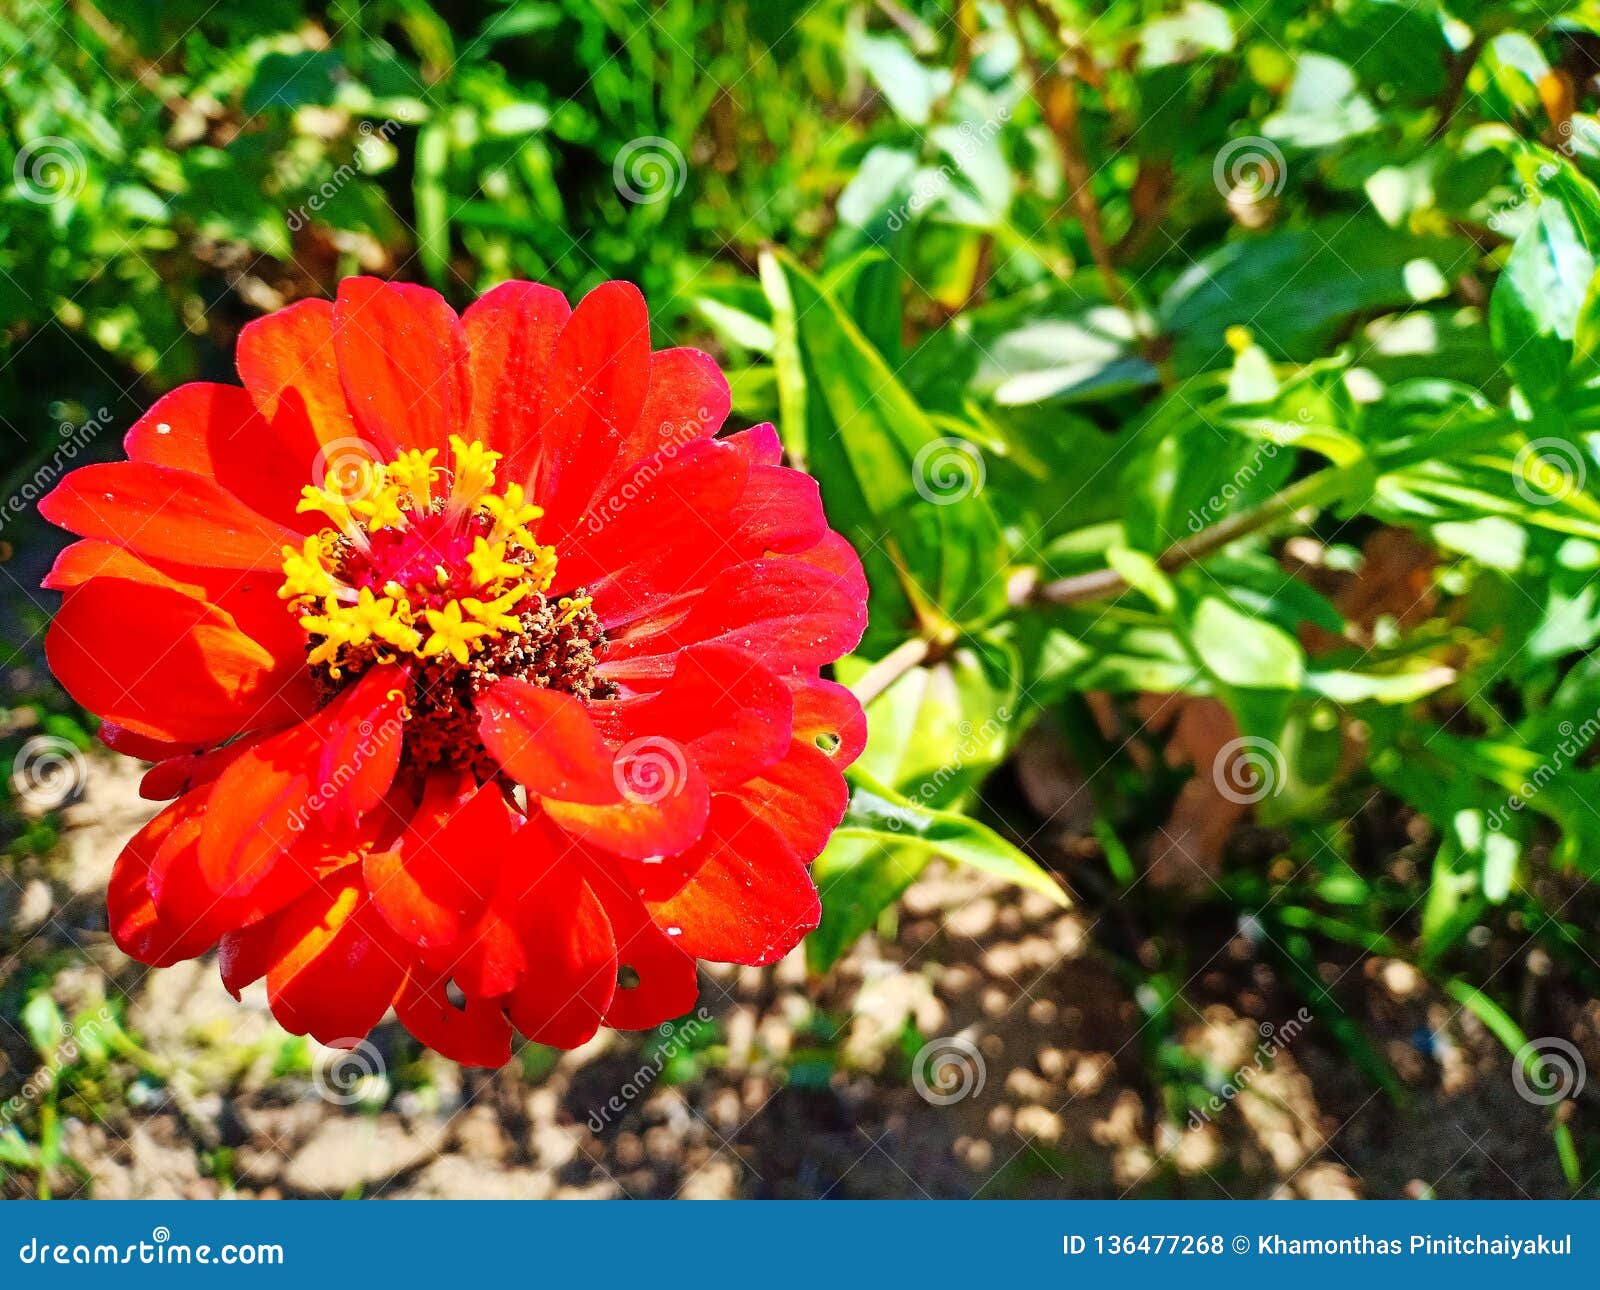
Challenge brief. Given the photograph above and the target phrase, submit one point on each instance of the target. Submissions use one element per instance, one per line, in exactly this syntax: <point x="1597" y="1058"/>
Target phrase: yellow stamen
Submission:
<point x="496" y="613"/>
<point x="324" y="501"/>
<point x="412" y="473"/>
<point x="488" y="563"/>
<point x="572" y="606"/>
<point x="451" y="633"/>
<point x="305" y="572"/>
<point x="474" y="472"/>
<point x="455" y="607"/>
<point x="511" y="514"/>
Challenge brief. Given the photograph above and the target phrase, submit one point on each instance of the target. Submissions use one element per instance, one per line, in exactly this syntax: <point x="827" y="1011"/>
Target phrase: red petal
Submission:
<point x="403" y="362"/>
<point x="81" y="561"/>
<point x="786" y="612"/>
<point x="129" y="744"/>
<point x="178" y="775"/>
<point x="166" y="514"/>
<point x="362" y="751"/>
<point x="251" y="599"/>
<point x="260" y="808"/>
<point x="490" y="961"/>
<point x="136" y="926"/>
<point x="571" y="970"/>
<point x="184" y="895"/>
<point x="760" y="443"/>
<point x="244" y="956"/>
<point x="687" y="399"/>
<point x="168" y="667"/>
<point x="656" y="980"/>
<point x="545" y="741"/>
<point x="596" y="389"/>
<point x="662" y="530"/>
<point x="511" y="338"/>
<point x="214" y="430"/>
<point x="665" y="814"/>
<point x="442" y="870"/>
<point x="287" y="362"/>
<point x="726" y="711"/>
<point x="477" y="1034"/>
<point x="749" y="899"/>
<point x="828" y="715"/>
<point x="803" y="798"/>
<point x="336" y="967"/>
<point x="781" y="510"/>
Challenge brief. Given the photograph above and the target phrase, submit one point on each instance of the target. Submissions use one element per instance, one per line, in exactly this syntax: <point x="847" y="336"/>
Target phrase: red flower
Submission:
<point x="484" y="676"/>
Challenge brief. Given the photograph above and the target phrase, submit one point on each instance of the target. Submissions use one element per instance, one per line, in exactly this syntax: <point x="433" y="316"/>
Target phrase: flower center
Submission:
<point x="438" y="569"/>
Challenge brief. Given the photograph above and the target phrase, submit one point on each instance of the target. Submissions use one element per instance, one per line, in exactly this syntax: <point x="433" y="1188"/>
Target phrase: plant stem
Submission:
<point x="1057" y="97"/>
<point x="1313" y="490"/>
<point x="891" y="667"/>
<point x="1103" y="583"/>
<point x="1460" y="68"/>
<point x="1106" y="581"/>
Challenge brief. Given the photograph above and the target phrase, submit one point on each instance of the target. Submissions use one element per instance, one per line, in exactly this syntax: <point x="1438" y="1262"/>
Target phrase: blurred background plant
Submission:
<point x="1209" y="389"/>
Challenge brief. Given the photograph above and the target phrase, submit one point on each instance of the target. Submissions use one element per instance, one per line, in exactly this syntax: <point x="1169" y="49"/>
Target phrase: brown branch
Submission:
<point x="1056" y="93"/>
<point x="1104" y="583"/>
<point x="1460" y="68"/>
<point x="1149" y="199"/>
<point x="891" y="667"/>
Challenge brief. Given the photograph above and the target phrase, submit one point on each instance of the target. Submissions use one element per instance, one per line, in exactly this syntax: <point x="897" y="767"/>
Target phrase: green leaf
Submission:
<point x="941" y="728"/>
<point x="432" y="200"/>
<point x="1295" y="287"/>
<point x="881" y="812"/>
<point x="1323" y="106"/>
<point x="911" y="88"/>
<point x="909" y="497"/>
<point x="1533" y="314"/>
<point x="884" y="842"/>
<point x="1242" y="651"/>
<point x="858" y="878"/>
<point x="1090" y="356"/>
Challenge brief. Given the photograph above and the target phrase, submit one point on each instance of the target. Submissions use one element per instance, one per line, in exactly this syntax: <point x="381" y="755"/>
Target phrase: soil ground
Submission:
<point x="1037" y="1082"/>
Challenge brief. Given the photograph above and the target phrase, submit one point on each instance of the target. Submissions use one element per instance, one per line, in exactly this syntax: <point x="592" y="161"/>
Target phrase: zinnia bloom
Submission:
<point x="484" y="675"/>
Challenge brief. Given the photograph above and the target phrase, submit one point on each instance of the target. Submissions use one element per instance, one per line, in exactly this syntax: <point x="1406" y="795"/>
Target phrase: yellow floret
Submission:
<point x="511" y="514"/>
<point x="305" y="572"/>
<point x="489" y="565"/>
<point x="412" y="473"/>
<point x="478" y="597"/>
<point x="474" y="472"/>
<point x="452" y="634"/>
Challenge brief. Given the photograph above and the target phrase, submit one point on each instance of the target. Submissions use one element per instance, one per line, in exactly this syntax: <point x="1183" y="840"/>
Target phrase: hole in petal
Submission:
<point x="627" y="978"/>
